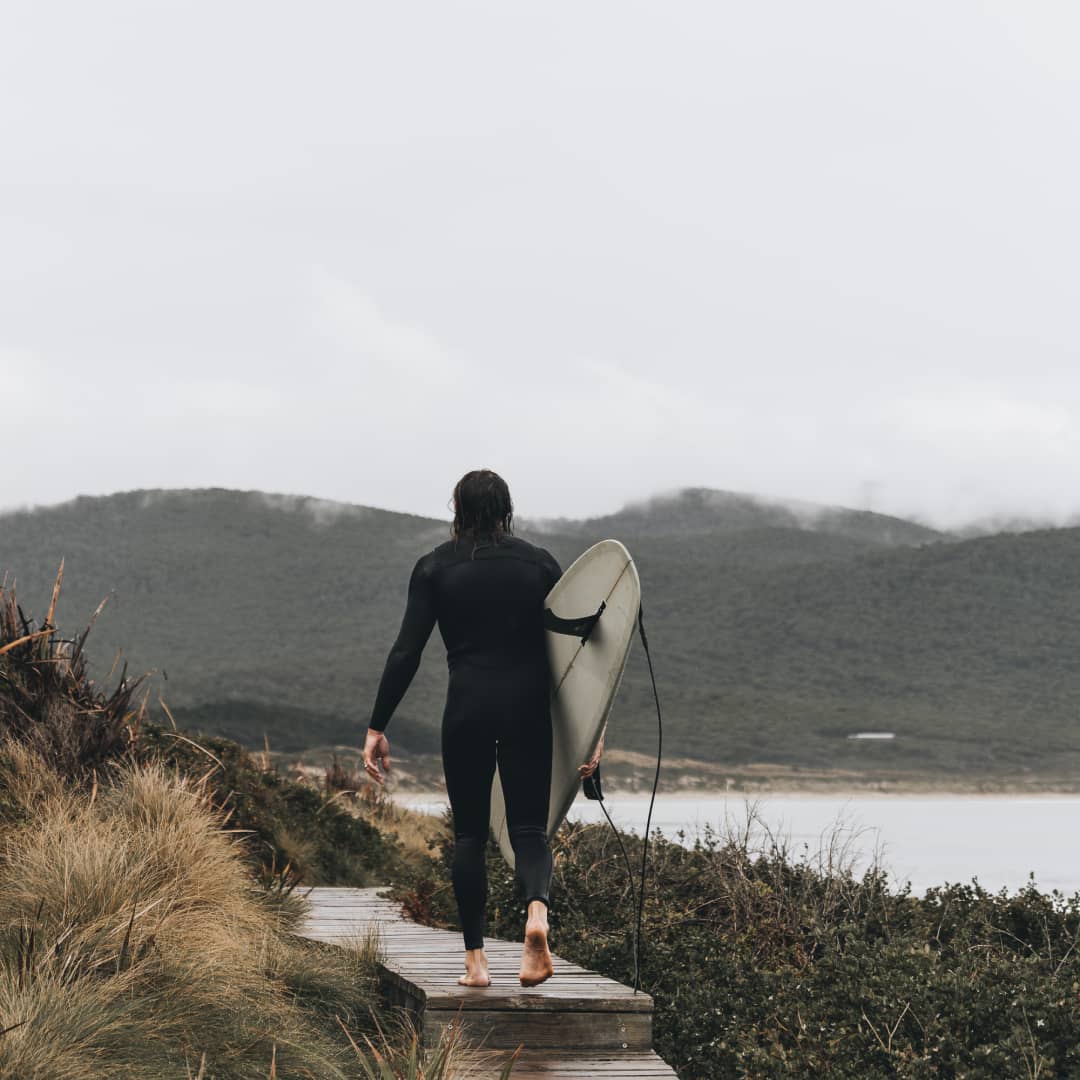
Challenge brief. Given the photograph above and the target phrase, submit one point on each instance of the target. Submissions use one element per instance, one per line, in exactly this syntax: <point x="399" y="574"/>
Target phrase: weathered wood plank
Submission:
<point x="575" y="1065"/>
<point x="579" y="1030"/>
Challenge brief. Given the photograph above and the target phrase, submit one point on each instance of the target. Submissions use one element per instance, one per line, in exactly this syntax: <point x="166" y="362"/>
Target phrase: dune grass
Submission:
<point x="134" y="942"/>
<point x="148" y="901"/>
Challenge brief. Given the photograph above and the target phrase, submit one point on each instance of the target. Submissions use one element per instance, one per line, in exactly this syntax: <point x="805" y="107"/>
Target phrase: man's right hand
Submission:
<point x="589" y="767"/>
<point x="376" y="751"/>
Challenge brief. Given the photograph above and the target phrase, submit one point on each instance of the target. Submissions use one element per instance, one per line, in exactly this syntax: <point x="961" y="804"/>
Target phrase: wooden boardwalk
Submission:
<point x="576" y="1024"/>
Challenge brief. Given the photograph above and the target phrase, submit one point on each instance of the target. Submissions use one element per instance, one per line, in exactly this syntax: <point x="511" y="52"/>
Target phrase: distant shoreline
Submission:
<point x="631" y="773"/>
<point x="799" y="793"/>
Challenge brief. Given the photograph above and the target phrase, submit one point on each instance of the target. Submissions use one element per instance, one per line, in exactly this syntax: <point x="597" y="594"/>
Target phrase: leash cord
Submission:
<point x="652" y="799"/>
<point x="648" y="820"/>
<point x="630" y="878"/>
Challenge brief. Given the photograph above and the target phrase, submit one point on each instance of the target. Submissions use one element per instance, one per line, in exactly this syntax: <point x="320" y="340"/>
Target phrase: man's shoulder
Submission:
<point x="522" y="546"/>
<point x="455" y="550"/>
<point x="532" y="552"/>
<point x="438" y="554"/>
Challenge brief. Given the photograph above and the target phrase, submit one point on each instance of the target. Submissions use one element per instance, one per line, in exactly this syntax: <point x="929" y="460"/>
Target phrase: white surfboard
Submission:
<point x="585" y="677"/>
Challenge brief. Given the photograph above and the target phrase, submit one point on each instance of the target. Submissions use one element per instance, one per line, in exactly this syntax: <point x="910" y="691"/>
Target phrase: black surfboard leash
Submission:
<point x="598" y="796"/>
<point x="584" y="627"/>
<point x="630" y="878"/>
<point x="652" y="797"/>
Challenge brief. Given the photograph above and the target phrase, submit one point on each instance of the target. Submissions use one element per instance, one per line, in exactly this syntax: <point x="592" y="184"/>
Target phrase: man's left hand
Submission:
<point x="376" y="752"/>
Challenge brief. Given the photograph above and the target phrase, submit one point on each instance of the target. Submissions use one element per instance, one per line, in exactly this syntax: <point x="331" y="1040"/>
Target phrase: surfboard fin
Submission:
<point x="581" y="627"/>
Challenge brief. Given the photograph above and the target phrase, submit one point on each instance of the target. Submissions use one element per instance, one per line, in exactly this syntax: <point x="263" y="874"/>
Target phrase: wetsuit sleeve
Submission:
<point x="404" y="657"/>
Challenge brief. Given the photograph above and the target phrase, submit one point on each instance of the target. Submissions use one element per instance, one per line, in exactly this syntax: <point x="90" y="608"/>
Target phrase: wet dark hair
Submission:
<point x="482" y="506"/>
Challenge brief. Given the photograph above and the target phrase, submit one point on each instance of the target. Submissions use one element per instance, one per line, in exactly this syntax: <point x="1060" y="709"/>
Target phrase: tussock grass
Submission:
<point x="135" y="939"/>
<point x="134" y="942"/>
<point x="47" y="699"/>
<point x="400" y="1057"/>
<point x="419" y="835"/>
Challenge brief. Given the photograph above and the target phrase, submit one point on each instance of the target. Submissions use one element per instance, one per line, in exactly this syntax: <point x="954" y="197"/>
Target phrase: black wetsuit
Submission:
<point x="488" y="599"/>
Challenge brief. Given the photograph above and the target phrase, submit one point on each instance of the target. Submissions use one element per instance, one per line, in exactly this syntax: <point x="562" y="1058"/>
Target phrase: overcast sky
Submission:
<point x="352" y="250"/>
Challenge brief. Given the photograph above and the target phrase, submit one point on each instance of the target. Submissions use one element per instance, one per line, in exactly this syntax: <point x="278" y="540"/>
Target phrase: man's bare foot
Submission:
<point x="476" y="969"/>
<point x="536" y="957"/>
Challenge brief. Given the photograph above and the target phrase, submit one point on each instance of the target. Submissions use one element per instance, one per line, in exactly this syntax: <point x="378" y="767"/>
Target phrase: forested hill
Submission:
<point x="773" y="638"/>
<point x="702" y="511"/>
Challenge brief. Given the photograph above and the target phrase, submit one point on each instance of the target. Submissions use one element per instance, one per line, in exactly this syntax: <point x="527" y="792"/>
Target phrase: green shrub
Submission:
<point x="766" y="965"/>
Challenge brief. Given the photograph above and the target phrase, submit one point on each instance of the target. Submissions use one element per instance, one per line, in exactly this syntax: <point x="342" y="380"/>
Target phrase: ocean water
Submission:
<point x="922" y="839"/>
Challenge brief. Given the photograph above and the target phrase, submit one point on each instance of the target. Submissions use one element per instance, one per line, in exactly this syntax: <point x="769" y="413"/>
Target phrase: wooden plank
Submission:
<point x="556" y="999"/>
<point x="582" y="1030"/>
<point x="475" y="999"/>
<point x="648" y="1067"/>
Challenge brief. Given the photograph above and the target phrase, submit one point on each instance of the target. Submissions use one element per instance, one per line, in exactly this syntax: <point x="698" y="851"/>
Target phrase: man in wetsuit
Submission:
<point x="485" y="588"/>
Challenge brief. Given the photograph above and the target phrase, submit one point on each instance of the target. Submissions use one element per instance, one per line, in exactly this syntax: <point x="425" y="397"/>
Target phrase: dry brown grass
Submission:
<point x="399" y="1057"/>
<point x="46" y="699"/>
<point x="418" y="833"/>
<point x="133" y="941"/>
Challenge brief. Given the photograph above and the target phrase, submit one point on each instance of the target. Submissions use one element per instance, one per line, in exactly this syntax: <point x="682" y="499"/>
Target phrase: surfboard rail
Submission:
<point x="585" y="674"/>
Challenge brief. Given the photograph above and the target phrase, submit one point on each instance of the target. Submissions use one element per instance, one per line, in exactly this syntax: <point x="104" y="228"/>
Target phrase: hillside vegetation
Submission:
<point x="777" y="629"/>
<point x="705" y="512"/>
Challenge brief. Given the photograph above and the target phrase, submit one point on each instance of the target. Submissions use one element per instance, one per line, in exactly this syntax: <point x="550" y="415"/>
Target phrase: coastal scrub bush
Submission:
<point x="764" y="964"/>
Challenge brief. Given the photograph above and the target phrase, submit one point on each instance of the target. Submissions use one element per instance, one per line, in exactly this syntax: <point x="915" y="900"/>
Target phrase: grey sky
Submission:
<point x="352" y="249"/>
